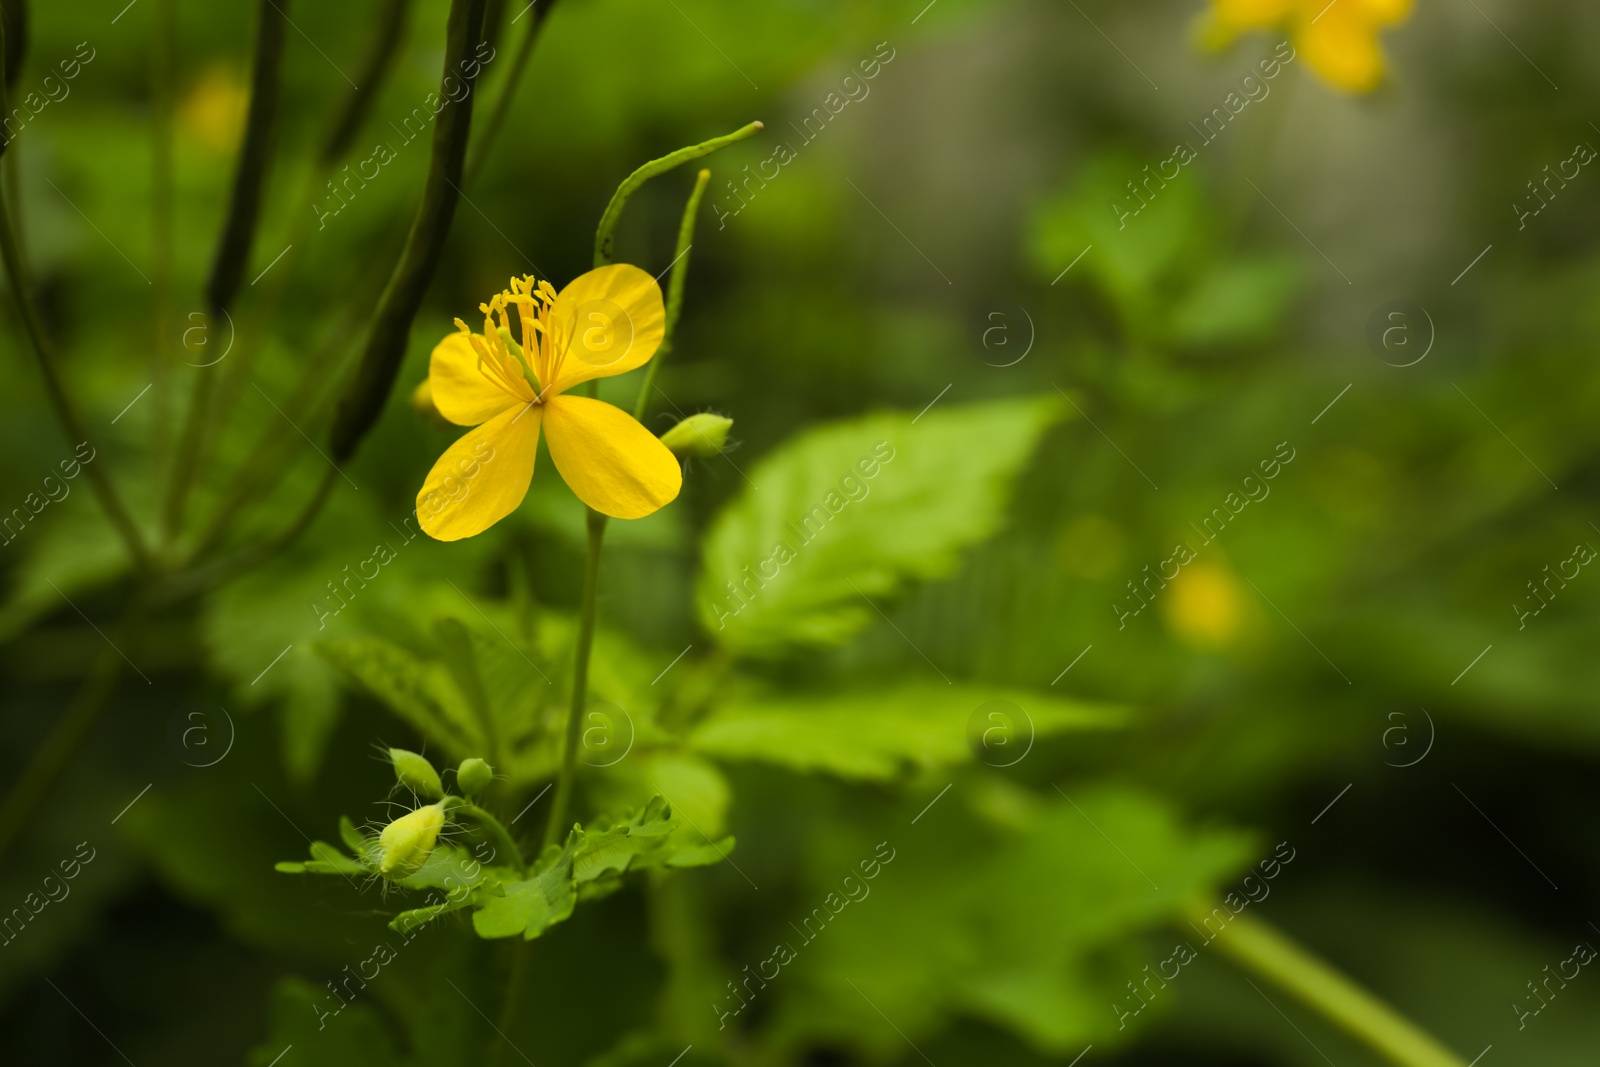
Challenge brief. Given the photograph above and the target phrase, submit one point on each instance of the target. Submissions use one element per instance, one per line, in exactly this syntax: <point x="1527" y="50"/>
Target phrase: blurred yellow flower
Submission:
<point x="608" y="321"/>
<point x="1204" y="606"/>
<point x="214" y="109"/>
<point x="1339" y="38"/>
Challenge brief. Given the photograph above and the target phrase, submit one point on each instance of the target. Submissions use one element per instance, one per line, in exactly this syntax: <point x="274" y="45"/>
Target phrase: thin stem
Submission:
<point x="390" y="21"/>
<point x="536" y="14"/>
<point x="521" y="949"/>
<point x="66" y="411"/>
<point x="161" y="215"/>
<point x="250" y="176"/>
<point x="311" y="393"/>
<point x="680" y="273"/>
<point x="1262" y="949"/>
<point x="211" y="575"/>
<point x="238" y="234"/>
<point x="605" y="234"/>
<point x="502" y="837"/>
<point x="588" y="609"/>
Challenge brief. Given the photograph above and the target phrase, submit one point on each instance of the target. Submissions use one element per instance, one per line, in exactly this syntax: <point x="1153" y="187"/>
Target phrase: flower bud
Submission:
<point x="699" y="436"/>
<point x="416" y="774"/>
<point x="405" y="844"/>
<point x="474" y="776"/>
<point x="422" y="403"/>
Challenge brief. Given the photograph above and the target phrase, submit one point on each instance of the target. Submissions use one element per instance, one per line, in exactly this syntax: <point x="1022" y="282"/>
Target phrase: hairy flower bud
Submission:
<point x="699" y="436"/>
<point x="405" y="844"/>
<point x="474" y="776"/>
<point x="416" y="774"/>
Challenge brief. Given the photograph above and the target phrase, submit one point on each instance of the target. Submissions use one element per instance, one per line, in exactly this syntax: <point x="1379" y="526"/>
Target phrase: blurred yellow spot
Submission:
<point x="214" y="109"/>
<point x="1338" y="38"/>
<point x="1204" y="607"/>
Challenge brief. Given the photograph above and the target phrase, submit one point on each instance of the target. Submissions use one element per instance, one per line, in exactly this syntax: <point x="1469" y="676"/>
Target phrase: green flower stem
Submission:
<point x="605" y="235"/>
<point x="596" y="521"/>
<point x="537" y="13"/>
<point x="680" y="272"/>
<point x="66" y="411"/>
<point x="502" y="837"/>
<point x="238" y="234"/>
<point x="557" y="826"/>
<point x="1260" y="948"/>
<point x="397" y="307"/>
<point x="516" y="981"/>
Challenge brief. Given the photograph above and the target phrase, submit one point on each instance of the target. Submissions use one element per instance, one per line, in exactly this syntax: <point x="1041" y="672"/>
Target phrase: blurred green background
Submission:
<point x="1363" y="633"/>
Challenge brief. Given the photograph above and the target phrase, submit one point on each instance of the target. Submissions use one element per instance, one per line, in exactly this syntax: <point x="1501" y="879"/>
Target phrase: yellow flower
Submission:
<point x="213" y="112"/>
<point x="606" y="322"/>
<point x="1204" y="607"/>
<point x="1338" y="38"/>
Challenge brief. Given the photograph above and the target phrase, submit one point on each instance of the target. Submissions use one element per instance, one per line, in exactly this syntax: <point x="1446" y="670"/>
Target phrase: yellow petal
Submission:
<point x="1386" y="12"/>
<point x="606" y="322"/>
<point x="461" y="392"/>
<point x="615" y="465"/>
<point x="482" y="477"/>
<point x="1249" y="14"/>
<point x="1343" y="47"/>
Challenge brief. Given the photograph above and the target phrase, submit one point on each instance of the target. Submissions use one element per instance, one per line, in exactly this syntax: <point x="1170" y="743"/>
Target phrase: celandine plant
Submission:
<point x="512" y="382"/>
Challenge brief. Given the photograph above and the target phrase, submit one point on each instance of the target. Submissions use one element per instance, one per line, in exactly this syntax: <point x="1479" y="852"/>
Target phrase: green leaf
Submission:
<point x="422" y="692"/>
<point x="257" y="633"/>
<point x="529" y="907"/>
<point x="1237" y="301"/>
<point x="352" y="838"/>
<point x="706" y="855"/>
<point x="408" y="921"/>
<point x="1035" y="930"/>
<point x="590" y="864"/>
<point x="325" y="859"/>
<point x="882" y="734"/>
<point x="1133" y="252"/>
<point x="855" y="510"/>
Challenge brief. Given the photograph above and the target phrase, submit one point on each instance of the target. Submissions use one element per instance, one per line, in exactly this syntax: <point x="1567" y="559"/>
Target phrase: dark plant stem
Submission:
<point x="390" y="19"/>
<point x="397" y="307"/>
<point x="208" y="576"/>
<point x="238" y="234"/>
<point x="391" y="22"/>
<point x="250" y="175"/>
<point x="66" y="411"/>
